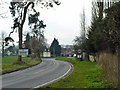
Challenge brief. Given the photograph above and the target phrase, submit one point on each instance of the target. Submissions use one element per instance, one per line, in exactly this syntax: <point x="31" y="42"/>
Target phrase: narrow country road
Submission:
<point x="45" y="73"/>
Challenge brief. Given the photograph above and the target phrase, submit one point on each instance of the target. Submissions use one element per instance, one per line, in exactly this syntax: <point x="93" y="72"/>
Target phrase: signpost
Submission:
<point x="79" y="56"/>
<point x="23" y="45"/>
<point x="79" y="51"/>
<point x="23" y="52"/>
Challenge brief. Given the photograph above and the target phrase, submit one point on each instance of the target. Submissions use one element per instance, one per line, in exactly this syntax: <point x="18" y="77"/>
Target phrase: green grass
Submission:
<point x="7" y="63"/>
<point x="85" y="75"/>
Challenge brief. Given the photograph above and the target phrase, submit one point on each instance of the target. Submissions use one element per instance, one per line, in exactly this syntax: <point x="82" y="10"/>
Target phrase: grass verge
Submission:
<point x="85" y="75"/>
<point x="8" y="66"/>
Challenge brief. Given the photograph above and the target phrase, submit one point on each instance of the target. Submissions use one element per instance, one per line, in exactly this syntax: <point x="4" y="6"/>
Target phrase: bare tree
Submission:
<point x="94" y="11"/>
<point x="83" y="24"/>
<point x="3" y="34"/>
<point x="37" y="44"/>
<point x="79" y="41"/>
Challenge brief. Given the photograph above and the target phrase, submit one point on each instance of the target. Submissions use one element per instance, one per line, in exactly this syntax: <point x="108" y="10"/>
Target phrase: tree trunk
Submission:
<point x="20" y="28"/>
<point x="20" y="43"/>
<point x="38" y="55"/>
<point x="2" y="49"/>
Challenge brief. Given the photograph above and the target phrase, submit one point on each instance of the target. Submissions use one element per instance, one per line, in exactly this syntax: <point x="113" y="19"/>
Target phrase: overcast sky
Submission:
<point x="63" y="22"/>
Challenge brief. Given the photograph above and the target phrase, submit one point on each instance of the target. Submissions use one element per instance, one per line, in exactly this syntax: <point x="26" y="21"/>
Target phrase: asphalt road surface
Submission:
<point x="45" y="73"/>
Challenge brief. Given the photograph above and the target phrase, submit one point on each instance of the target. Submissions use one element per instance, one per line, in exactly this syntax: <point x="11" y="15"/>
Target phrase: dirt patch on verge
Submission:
<point x="19" y="62"/>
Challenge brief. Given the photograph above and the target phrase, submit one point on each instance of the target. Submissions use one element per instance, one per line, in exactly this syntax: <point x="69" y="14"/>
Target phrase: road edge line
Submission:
<point x="69" y="70"/>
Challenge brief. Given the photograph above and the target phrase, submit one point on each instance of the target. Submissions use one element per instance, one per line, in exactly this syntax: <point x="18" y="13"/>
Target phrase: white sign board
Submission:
<point x="79" y="56"/>
<point x="23" y="52"/>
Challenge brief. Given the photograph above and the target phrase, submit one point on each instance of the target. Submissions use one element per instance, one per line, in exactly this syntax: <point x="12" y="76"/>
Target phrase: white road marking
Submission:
<point x="54" y="79"/>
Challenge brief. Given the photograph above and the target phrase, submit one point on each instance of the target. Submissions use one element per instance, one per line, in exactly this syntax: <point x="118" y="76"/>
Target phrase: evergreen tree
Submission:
<point x="55" y="48"/>
<point x="27" y="41"/>
<point x="104" y="33"/>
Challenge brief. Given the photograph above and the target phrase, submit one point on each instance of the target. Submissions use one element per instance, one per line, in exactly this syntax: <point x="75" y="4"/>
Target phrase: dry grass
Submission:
<point x="110" y="66"/>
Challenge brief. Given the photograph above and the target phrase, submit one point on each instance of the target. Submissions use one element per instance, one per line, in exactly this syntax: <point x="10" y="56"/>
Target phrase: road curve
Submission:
<point x="47" y="72"/>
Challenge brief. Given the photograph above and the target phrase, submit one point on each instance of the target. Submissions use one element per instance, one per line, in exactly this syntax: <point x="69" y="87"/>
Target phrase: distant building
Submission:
<point x="11" y="51"/>
<point x="67" y="50"/>
<point x="46" y="53"/>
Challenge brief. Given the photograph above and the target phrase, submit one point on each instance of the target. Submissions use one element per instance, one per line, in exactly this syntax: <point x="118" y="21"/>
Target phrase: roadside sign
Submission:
<point x="79" y="56"/>
<point x="23" y="52"/>
<point x="23" y="45"/>
<point x="79" y="51"/>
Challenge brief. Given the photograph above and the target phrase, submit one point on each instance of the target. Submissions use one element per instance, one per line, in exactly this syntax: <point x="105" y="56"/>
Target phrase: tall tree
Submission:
<point x="19" y="10"/>
<point x="79" y="41"/>
<point x="83" y="24"/>
<point x="112" y="30"/>
<point x="97" y="33"/>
